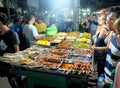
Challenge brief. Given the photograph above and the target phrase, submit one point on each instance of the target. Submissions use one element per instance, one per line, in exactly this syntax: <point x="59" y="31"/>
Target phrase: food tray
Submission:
<point x="80" y="55"/>
<point x="59" y="50"/>
<point x="66" y="67"/>
<point x="69" y="61"/>
<point x="46" y="64"/>
<point x="87" y="35"/>
<point x="56" y="41"/>
<point x="65" y="44"/>
<point x="54" y="60"/>
<point x="82" y="51"/>
<point x="55" y="56"/>
<point x="60" y="37"/>
<point x="70" y="66"/>
<point x="80" y="58"/>
<point x="83" y="68"/>
<point x="81" y="45"/>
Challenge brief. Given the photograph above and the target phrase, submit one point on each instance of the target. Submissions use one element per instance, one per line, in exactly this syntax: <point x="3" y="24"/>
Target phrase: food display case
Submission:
<point x="59" y="66"/>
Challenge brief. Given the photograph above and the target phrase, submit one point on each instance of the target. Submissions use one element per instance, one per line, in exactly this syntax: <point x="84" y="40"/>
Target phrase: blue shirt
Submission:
<point x="16" y="28"/>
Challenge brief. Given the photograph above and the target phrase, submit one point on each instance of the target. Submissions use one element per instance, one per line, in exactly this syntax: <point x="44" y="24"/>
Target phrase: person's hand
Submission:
<point x="107" y="82"/>
<point x="117" y="37"/>
<point x="42" y="35"/>
<point x="93" y="47"/>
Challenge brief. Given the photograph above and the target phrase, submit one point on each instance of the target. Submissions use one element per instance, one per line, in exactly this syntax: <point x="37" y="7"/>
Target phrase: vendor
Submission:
<point x="40" y="25"/>
<point x="30" y="32"/>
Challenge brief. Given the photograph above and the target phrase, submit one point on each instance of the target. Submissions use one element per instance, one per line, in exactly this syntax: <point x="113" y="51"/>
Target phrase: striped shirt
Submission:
<point x="113" y="57"/>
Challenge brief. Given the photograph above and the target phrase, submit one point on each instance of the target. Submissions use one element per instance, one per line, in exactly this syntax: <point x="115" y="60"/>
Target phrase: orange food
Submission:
<point x="50" y="38"/>
<point x="59" y="50"/>
<point x="65" y="44"/>
<point x="83" y="51"/>
<point x="67" y="66"/>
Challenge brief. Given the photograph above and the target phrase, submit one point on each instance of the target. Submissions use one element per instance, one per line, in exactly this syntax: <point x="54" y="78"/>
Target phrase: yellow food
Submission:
<point x="43" y="42"/>
<point x="61" y="34"/>
<point x="26" y="61"/>
<point x="56" y="41"/>
<point x="81" y="45"/>
<point x="86" y="35"/>
<point x="83" y="40"/>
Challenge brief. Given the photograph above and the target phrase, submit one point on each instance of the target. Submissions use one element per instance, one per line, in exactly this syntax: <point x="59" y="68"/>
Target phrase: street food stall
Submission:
<point x="60" y="61"/>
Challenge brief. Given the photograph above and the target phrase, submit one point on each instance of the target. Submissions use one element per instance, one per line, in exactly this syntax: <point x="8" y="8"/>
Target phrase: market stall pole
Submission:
<point x="76" y="14"/>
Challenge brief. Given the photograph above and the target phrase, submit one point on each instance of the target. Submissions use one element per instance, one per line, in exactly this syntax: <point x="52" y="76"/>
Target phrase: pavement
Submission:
<point x="92" y="81"/>
<point x="4" y="82"/>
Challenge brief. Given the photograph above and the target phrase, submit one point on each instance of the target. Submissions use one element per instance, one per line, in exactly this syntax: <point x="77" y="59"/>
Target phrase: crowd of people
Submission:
<point x="105" y="30"/>
<point x="106" y="44"/>
<point x="16" y="38"/>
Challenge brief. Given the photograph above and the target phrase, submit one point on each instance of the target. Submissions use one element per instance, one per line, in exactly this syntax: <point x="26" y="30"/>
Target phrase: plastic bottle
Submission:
<point x="101" y="81"/>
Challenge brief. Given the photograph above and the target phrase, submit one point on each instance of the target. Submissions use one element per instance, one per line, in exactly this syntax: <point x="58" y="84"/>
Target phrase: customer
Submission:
<point x="12" y="42"/>
<point x="101" y="41"/>
<point x="116" y="26"/>
<point x="93" y="24"/>
<point x="113" y="55"/>
<point x="10" y="37"/>
<point x="30" y="31"/>
<point x="19" y="29"/>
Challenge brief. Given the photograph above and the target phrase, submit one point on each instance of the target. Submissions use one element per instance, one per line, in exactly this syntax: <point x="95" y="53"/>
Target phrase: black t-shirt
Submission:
<point x="10" y="38"/>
